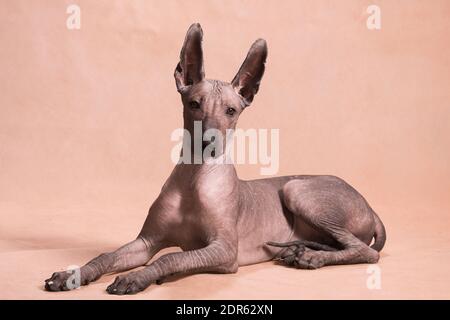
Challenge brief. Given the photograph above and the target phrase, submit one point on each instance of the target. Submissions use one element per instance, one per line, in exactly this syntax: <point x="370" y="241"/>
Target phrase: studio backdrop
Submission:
<point x="88" y="104"/>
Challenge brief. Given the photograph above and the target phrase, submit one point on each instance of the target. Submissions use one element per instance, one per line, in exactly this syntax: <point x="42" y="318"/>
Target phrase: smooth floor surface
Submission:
<point x="415" y="263"/>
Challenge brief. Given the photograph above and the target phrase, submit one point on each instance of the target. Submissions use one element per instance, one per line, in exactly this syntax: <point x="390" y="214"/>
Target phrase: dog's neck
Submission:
<point x="208" y="166"/>
<point x="210" y="172"/>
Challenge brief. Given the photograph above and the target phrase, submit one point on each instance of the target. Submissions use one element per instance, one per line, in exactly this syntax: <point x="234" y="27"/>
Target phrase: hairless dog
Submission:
<point x="221" y="222"/>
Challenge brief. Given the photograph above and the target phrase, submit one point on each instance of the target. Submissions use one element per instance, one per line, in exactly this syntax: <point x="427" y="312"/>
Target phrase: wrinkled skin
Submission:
<point x="222" y="222"/>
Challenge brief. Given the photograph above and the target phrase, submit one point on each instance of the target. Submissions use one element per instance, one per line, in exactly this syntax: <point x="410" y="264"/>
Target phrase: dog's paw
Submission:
<point x="59" y="281"/>
<point x="127" y="284"/>
<point x="309" y="259"/>
<point x="291" y="253"/>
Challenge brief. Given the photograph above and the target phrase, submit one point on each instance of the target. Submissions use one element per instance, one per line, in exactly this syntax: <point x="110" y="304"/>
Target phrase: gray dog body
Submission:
<point x="222" y="222"/>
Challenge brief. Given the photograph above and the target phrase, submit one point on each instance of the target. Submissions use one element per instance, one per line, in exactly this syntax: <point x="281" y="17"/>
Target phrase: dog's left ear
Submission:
<point x="246" y="81"/>
<point x="190" y="70"/>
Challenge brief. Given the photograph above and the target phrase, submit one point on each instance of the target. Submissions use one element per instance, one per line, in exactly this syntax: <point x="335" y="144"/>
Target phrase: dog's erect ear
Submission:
<point x="190" y="70"/>
<point x="246" y="81"/>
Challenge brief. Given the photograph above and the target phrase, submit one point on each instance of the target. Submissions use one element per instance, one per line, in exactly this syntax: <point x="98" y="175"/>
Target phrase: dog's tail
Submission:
<point x="380" y="233"/>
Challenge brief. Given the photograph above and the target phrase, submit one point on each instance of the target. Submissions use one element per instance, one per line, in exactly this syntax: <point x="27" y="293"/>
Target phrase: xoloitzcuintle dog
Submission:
<point x="221" y="222"/>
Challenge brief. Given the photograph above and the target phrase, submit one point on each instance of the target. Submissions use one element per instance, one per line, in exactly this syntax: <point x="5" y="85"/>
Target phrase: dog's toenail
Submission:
<point x="50" y="282"/>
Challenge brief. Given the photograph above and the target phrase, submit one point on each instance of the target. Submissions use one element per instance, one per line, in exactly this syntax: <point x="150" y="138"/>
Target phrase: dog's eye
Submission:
<point x="194" y="105"/>
<point x="231" y="111"/>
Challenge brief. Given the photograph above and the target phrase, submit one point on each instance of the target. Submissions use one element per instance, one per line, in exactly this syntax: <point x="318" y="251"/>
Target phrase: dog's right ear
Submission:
<point x="190" y="70"/>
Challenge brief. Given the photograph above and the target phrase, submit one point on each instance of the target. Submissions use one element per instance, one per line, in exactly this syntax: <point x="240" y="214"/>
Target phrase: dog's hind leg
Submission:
<point x="308" y="255"/>
<point x="294" y="249"/>
<point x="319" y="203"/>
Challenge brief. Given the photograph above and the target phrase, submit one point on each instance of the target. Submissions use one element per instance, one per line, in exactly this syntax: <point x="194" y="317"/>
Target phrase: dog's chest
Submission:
<point x="184" y="214"/>
<point x="194" y="215"/>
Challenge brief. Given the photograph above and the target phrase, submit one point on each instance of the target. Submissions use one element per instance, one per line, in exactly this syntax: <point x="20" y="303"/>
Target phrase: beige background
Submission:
<point x="86" y="117"/>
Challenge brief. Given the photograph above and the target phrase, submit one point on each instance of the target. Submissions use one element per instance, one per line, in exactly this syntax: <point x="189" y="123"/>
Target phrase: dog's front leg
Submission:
<point x="219" y="256"/>
<point x="129" y="256"/>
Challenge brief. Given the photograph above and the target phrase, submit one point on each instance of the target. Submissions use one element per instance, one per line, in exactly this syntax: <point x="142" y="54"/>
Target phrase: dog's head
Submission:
<point x="217" y="104"/>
